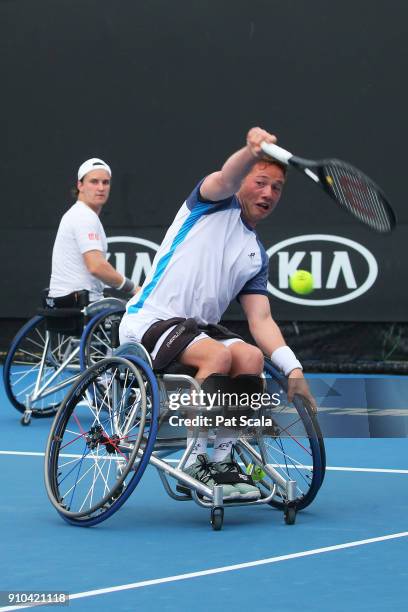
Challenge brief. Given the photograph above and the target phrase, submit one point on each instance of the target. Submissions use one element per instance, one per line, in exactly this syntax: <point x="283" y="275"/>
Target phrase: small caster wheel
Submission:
<point x="217" y="518"/>
<point x="25" y="419"/>
<point x="290" y="515"/>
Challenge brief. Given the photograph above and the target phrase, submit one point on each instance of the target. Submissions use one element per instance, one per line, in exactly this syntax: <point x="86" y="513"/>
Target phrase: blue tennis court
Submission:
<point x="230" y="160"/>
<point x="346" y="551"/>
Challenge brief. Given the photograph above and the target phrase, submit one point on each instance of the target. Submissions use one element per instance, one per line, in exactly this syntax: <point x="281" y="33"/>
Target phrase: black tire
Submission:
<point x="23" y="370"/>
<point x="108" y="439"/>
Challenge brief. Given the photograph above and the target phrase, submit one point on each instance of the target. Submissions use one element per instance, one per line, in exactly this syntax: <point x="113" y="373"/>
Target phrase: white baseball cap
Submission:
<point x="92" y="164"/>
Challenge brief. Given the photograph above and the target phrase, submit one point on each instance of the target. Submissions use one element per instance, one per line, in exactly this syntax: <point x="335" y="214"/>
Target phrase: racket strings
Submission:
<point x="359" y="196"/>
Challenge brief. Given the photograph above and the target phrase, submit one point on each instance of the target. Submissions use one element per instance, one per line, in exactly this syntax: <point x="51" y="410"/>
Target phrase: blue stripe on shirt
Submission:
<point x="198" y="211"/>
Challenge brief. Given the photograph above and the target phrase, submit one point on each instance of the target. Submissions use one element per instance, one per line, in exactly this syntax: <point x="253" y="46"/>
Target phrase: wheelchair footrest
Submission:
<point x="183" y="489"/>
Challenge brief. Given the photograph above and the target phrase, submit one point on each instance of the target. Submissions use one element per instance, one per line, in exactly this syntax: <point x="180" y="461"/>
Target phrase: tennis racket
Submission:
<point x="346" y="185"/>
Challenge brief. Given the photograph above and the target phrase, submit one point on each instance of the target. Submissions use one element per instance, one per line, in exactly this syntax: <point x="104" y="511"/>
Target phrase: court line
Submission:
<point x="219" y="570"/>
<point x="374" y="470"/>
<point x="328" y="468"/>
<point x="23" y="453"/>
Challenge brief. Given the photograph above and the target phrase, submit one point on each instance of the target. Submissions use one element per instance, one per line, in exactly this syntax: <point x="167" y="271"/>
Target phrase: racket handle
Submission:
<point x="276" y="152"/>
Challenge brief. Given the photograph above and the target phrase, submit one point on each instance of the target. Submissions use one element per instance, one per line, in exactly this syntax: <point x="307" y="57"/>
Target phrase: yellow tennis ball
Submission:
<point x="258" y="473"/>
<point x="301" y="282"/>
<point x="255" y="471"/>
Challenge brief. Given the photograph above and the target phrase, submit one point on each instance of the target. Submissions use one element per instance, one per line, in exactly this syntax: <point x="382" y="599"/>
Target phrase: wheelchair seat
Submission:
<point x="137" y="349"/>
<point x="69" y="314"/>
<point x="64" y="315"/>
<point x="63" y="320"/>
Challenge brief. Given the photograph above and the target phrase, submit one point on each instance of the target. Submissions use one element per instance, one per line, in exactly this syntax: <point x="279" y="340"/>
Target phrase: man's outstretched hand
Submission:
<point x="298" y="384"/>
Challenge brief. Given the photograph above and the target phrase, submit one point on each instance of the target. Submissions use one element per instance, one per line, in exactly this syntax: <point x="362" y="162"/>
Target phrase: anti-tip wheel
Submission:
<point x="25" y="419"/>
<point x="290" y="515"/>
<point x="217" y="518"/>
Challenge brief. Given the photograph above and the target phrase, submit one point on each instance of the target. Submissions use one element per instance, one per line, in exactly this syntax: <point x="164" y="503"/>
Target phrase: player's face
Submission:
<point x="94" y="188"/>
<point x="260" y="192"/>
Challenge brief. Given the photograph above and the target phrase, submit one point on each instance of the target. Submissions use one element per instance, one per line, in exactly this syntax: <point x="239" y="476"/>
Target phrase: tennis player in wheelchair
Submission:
<point x="210" y="255"/>
<point x="68" y="333"/>
<point x="80" y="270"/>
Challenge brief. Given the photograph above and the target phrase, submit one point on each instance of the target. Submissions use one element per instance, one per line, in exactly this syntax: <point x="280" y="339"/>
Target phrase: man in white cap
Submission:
<point x="79" y="254"/>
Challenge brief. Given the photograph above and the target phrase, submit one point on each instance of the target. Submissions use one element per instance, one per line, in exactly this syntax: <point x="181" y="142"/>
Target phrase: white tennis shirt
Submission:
<point x="208" y="257"/>
<point x="79" y="231"/>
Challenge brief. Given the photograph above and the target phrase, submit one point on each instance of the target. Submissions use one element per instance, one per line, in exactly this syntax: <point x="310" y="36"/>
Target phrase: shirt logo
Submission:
<point x="93" y="236"/>
<point x="251" y="255"/>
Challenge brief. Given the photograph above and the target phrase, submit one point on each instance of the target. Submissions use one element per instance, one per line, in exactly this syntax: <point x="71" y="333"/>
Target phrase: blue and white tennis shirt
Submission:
<point x="208" y="257"/>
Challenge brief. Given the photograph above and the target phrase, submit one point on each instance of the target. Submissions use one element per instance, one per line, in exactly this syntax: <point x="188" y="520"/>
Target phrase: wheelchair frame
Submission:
<point x="104" y="438"/>
<point x="48" y="354"/>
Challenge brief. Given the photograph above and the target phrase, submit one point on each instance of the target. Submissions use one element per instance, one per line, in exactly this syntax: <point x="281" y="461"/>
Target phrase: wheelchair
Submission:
<point x="117" y="419"/>
<point x="49" y="352"/>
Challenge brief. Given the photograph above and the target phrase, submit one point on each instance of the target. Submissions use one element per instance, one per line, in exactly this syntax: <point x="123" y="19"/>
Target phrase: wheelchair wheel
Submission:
<point x="293" y="445"/>
<point x="34" y="367"/>
<point x="96" y="341"/>
<point x="100" y="442"/>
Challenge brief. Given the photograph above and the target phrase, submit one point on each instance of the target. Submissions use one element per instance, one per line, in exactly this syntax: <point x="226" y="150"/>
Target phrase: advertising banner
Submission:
<point x="178" y="97"/>
<point x="355" y="279"/>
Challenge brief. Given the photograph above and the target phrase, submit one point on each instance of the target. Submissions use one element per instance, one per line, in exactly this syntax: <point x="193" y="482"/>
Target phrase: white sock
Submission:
<point x="199" y="448"/>
<point x="223" y="443"/>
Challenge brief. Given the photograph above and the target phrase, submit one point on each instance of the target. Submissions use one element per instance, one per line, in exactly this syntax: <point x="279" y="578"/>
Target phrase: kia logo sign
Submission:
<point x="342" y="269"/>
<point x="132" y="257"/>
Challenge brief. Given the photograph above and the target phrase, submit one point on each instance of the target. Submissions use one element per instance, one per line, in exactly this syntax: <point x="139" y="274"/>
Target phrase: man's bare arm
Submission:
<point x="268" y="337"/>
<point x="263" y="328"/>
<point x="227" y="181"/>
<point x="104" y="271"/>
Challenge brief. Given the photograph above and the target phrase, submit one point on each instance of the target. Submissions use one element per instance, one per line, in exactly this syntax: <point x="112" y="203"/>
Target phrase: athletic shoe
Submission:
<point x="202" y="470"/>
<point x="242" y="482"/>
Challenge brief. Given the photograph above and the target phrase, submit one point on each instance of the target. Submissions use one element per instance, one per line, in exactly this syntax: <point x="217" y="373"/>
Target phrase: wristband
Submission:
<point x="126" y="285"/>
<point x="285" y="359"/>
<point x="121" y="284"/>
